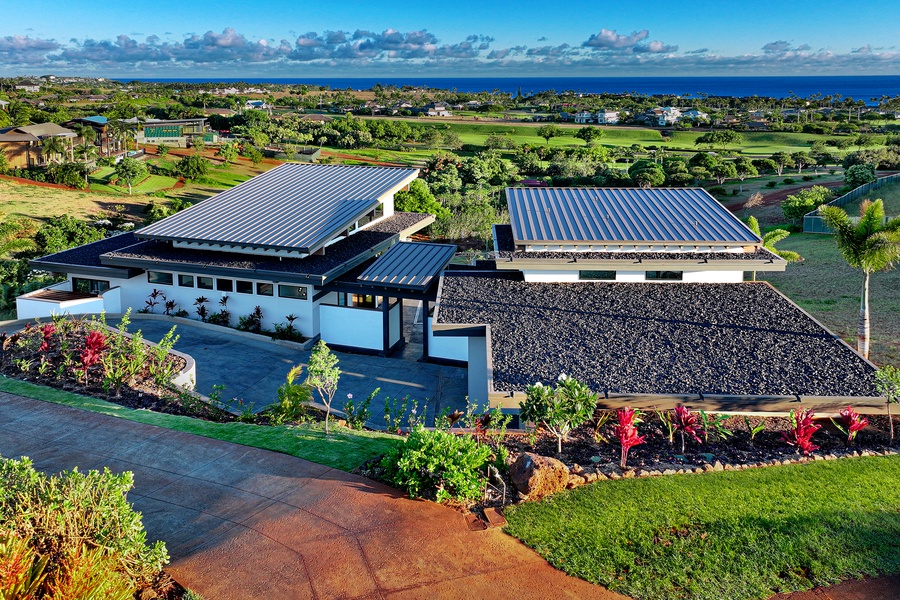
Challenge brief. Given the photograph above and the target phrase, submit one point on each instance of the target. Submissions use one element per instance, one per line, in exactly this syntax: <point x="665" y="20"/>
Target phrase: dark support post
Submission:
<point x="425" y="330"/>
<point x="386" y="323"/>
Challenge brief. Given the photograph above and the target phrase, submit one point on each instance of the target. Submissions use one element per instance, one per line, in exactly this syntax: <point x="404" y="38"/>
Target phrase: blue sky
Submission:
<point x="205" y="38"/>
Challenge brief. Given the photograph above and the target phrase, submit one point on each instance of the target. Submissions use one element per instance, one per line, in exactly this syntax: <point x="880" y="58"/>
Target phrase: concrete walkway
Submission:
<point x="246" y="523"/>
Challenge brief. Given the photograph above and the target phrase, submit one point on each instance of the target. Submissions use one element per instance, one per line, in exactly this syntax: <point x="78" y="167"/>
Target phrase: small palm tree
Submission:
<point x="870" y="245"/>
<point x="15" y="236"/>
<point x="53" y="148"/>
<point x="87" y="133"/>
<point x="772" y="238"/>
<point x="86" y="150"/>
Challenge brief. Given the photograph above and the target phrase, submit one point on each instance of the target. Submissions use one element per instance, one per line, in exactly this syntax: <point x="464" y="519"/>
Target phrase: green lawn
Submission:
<point x="825" y="286"/>
<point x="889" y="193"/>
<point x="734" y="535"/>
<point x="100" y="178"/>
<point x="343" y="449"/>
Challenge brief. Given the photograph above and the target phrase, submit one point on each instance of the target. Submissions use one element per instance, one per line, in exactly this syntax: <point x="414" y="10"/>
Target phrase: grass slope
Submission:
<point x="343" y="449"/>
<point x="829" y="289"/>
<point x="36" y="202"/>
<point x="735" y="535"/>
<point x="890" y="194"/>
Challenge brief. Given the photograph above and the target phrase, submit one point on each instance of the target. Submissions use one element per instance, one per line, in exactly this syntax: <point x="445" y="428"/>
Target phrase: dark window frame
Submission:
<point x="150" y="279"/>
<point x="183" y="278"/>
<point x="303" y="294"/>
<point x="664" y="275"/>
<point x="246" y="284"/>
<point x="260" y="286"/>
<point x="586" y="275"/>
<point x="91" y="288"/>
<point x="224" y="285"/>
<point x="202" y="285"/>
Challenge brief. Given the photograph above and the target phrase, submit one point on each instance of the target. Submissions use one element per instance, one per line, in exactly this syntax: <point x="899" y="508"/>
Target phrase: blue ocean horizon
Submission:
<point x="868" y="88"/>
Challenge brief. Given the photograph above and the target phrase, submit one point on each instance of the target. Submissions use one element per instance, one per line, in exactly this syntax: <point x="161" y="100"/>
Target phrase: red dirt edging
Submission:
<point x="45" y="184"/>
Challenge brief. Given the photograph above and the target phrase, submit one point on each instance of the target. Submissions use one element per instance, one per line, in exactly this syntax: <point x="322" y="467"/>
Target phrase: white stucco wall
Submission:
<point x="450" y="348"/>
<point x="134" y="294"/>
<point x="357" y="327"/>
<point x="560" y="276"/>
<point x="42" y="309"/>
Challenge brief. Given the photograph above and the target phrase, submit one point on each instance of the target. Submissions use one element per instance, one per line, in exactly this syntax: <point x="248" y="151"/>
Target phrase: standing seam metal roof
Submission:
<point x="409" y="265"/>
<point x="293" y="206"/>
<point x="598" y="215"/>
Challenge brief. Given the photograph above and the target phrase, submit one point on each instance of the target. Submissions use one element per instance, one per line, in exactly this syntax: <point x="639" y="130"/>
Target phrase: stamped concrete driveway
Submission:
<point x="252" y="370"/>
<point x="245" y="523"/>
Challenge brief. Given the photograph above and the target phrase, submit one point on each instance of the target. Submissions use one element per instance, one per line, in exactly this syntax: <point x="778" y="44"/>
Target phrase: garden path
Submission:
<point x="241" y="522"/>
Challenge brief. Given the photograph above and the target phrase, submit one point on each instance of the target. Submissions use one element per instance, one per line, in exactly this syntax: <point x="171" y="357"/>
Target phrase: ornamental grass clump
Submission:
<point x="560" y="409"/>
<point x="626" y="432"/>
<point x="851" y="423"/>
<point x="439" y="465"/>
<point x="801" y="431"/>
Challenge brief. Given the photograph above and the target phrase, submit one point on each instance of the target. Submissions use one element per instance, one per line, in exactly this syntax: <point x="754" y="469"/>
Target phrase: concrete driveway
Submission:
<point x="252" y="370"/>
<point x="246" y="523"/>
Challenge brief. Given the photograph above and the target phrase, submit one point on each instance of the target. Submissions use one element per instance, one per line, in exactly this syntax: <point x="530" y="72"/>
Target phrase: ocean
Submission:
<point x="867" y="88"/>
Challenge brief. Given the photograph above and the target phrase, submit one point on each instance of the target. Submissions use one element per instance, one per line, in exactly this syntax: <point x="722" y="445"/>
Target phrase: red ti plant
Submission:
<point x="801" y="431"/>
<point x="47" y="331"/>
<point x="851" y="423"/>
<point x="94" y="345"/>
<point x="687" y="424"/>
<point x="627" y="432"/>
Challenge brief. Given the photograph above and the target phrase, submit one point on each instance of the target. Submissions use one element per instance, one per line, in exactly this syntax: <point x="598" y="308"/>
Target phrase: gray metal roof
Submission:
<point x="292" y="207"/>
<point x="409" y="265"/>
<point x="617" y="215"/>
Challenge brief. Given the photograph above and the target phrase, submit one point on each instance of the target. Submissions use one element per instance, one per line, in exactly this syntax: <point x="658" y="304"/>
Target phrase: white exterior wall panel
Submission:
<point x="450" y="348"/>
<point x="360" y="328"/>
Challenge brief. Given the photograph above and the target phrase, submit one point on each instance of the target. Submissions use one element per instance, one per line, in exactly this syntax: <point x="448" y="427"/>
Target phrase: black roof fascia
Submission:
<point x="111" y="271"/>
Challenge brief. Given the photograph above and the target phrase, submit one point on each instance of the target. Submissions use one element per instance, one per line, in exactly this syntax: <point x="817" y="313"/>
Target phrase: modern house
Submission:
<point x="106" y="144"/>
<point x="608" y="117"/>
<point x="639" y="293"/>
<point x="24" y="148"/>
<point x="179" y="133"/>
<point x="584" y="116"/>
<point x="321" y="243"/>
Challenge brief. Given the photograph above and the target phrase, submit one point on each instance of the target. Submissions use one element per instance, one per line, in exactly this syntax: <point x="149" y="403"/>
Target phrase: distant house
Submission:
<point x="23" y="146"/>
<point x="30" y="88"/>
<point x="435" y="110"/>
<point x="3" y="104"/>
<point x="107" y="145"/>
<point x="608" y="117"/>
<point x="257" y="105"/>
<point x="584" y="116"/>
<point x="757" y="125"/>
<point x="695" y="115"/>
<point x="180" y="133"/>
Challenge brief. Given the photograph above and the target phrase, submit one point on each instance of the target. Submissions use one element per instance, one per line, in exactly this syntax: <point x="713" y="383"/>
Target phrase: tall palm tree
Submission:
<point x="86" y="150"/>
<point x="870" y="245"/>
<point x="772" y="238"/>
<point x="53" y="148"/>
<point x="87" y="133"/>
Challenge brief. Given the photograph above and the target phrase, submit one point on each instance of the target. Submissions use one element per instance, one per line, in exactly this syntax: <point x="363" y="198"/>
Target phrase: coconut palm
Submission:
<point x="772" y="238"/>
<point x="87" y="133"/>
<point x="870" y="245"/>
<point x="87" y="151"/>
<point x="53" y="147"/>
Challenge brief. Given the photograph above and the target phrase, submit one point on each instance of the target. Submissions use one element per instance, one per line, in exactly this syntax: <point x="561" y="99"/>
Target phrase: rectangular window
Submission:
<point x="264" y="289"/>
<point x="89" y="286"/>
<point x="297" y="292"/>
<point x="205" y="283"/>
<point x="364" y="300"/>
<point x="224" y="285"/>
<point x="342" y="298"/>
<point x="597" y="275"/>
<point x="159" y="278"/>
<point x="186" y="280"/>
<point x="244" y="287"/>
<point x="664" y="275"/>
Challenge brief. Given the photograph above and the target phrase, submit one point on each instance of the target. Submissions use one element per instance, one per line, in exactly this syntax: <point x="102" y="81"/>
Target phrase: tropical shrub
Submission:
<point x="626" y="432"/>
<point x="686" y="423"/>
<point x="357" y="416"/>
<point x="801" y="431"/>
<point x="97" y="514"/>
<point x="293" y="400"/>
<point x="851" y="423"/>
<point x="559" y="409"/>
<point x="439" y="465"/>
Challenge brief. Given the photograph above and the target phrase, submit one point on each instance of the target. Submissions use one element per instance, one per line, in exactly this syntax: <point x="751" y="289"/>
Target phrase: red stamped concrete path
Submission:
<point x="246" y="523"/>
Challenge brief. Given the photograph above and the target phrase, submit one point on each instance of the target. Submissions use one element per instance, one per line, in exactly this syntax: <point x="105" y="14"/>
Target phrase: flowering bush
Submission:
<point x="851" y="423"/>
<point x="626" y="431"/>
<point x="94" y="345"/>
<point x="47" y="331"/>
<point x="801" y="431"/>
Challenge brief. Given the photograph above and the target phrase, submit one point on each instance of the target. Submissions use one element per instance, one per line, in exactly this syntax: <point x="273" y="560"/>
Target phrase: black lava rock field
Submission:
<point x="648" y="338"/>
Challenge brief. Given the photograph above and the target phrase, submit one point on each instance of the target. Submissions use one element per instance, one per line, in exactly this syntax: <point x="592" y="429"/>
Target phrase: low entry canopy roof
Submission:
<point x="409" y="265"/>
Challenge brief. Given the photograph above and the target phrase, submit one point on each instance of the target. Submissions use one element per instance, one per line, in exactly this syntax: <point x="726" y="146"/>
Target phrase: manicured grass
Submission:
<point x="343" y="449"/>
<point x="829" y="290"/>
<point x="100" y="181"/>
<point x="734" y="535"/>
